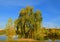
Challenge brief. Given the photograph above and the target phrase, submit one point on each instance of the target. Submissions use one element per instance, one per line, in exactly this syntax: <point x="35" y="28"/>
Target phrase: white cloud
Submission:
<point x="2" y="25"/>
<point x="56" y="19"/>
<point x="20" y="2"/>
<point x="50" y="25"/>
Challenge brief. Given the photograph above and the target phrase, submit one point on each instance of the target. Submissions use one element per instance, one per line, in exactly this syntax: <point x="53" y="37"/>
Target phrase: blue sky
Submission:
<point x="50" y="10"/>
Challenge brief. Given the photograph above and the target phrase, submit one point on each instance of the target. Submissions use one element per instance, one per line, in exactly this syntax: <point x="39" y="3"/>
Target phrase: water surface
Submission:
<point x="3" y="37"/>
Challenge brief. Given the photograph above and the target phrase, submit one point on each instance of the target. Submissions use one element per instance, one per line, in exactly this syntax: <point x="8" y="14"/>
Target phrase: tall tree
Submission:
<point x="28" y="22"/>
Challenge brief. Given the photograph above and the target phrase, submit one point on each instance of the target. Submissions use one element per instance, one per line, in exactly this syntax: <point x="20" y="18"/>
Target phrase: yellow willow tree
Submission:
<point x="28" y="23"/>
<point x="10" y="30"/>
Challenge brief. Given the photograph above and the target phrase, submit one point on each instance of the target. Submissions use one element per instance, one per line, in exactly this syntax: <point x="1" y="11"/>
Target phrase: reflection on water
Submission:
<point x="3" y="37"/>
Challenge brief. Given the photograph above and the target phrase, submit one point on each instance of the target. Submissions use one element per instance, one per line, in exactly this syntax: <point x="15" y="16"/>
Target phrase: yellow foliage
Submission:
<point x="22" y="12"/>
<point x="10" y="29"/>
<point x="38" y="12"/>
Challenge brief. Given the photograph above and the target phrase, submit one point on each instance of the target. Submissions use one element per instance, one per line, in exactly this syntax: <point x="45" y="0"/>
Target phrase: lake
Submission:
<point x="3" y="37"/>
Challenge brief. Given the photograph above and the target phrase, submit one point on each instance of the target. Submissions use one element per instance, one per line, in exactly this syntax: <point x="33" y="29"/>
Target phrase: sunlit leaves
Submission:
<point x="29" y="22"/>
<point x="10" y="30"/>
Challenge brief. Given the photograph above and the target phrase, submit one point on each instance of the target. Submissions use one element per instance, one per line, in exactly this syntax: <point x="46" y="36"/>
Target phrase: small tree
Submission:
<point x="10" y="30"/>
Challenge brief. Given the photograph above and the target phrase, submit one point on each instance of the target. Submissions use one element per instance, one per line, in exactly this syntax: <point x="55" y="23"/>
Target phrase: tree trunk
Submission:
<point x="53" y="39"/>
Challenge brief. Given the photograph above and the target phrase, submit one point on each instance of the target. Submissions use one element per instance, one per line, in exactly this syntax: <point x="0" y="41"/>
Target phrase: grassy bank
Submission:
<point x="23" y="40"/>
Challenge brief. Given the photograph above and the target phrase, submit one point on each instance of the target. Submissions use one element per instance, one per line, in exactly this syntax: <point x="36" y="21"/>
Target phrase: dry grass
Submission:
<point x="19" y="40"/>
<point x="26" y="40"/>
